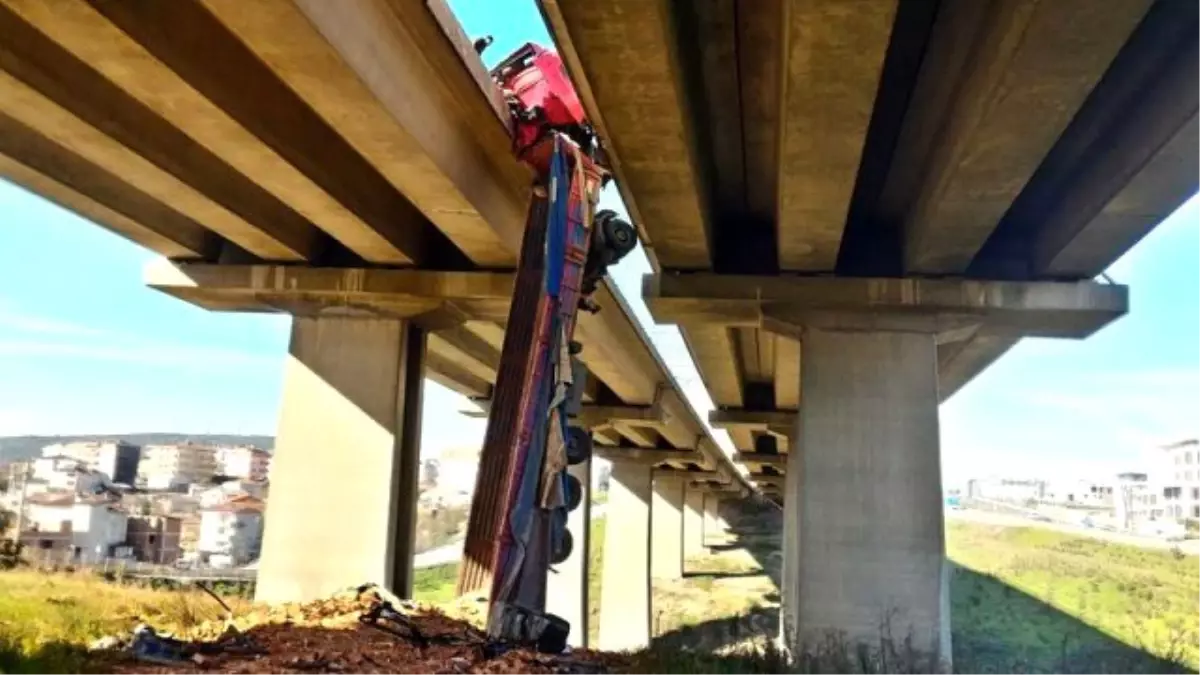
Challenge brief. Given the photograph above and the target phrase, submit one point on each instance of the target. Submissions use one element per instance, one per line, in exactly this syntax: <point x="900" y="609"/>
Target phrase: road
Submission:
<point x="450" y="553"/>
<point x="1190" y="546"/>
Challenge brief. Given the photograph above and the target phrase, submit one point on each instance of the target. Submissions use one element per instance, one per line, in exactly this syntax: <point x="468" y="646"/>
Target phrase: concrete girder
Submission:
<point x="779" y="423"/>
<point x="987" y="109"/>
<point x="357" y="64"/>
<point x="834" y="58"/>
<point x="761" y="459"/>
<point x="942" y="306"/>
<point x="42" y="166"/>
<point x="153" y="72"/>
<point x="650" y="456"/>
<point x="51" y="91"/>
<point x="1127" y="160"/>
<point x="622" y="56"/>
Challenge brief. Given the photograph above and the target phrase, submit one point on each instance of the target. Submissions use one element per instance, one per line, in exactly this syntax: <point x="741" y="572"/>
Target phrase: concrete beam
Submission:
<point x="833" y="63"/>
<point x="650" y="456"/>
<point x="397" y="293"/>
<point x="354" y="385"/>
<point x="52" y="91"/>
<point x="778" y="461"/>
<point x="987" y="110"/>
<point x="781" y="423"/>
<point x="625" y="584"/>
<point x="357" y="65"/>
<point x="46" y="168"/>
<point x="783" y="304"/>
<point x="623" y="59"/>
<point x="177" y="79"/>
<point x="1126" y="161"/>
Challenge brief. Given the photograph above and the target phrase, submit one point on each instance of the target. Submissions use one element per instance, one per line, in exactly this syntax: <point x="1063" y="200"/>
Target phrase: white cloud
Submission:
<point x="12" y="318"/>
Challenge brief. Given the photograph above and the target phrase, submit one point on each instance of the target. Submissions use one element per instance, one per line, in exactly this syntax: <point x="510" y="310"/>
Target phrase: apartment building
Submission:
<point x="155" y="539"/>
<point x="173" y="466"/>
<point x="243" y="461"/>
<point x="1177" y="475"/>
<point x="116" y="459"/>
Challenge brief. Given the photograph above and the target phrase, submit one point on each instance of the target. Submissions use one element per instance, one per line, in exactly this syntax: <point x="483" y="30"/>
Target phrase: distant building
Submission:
<point x="1175" y="475"/>
<point x="243" y="461"/>
<point x="231" y="532"/>
<point x="83" y="529"/>
<point x="155" y="539"/>
<point x="174" y="466"/>
<point x="211" y="495"/>
<point x="116" y="459"/>
<point x="1015" y="490"/>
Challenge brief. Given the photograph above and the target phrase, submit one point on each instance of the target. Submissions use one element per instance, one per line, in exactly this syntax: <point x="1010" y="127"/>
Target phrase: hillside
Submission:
<point x="14" y="448"/>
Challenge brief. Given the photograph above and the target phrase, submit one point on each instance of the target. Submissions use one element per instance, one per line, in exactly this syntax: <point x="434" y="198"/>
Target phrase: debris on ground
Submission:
<point x="365" y="630"/>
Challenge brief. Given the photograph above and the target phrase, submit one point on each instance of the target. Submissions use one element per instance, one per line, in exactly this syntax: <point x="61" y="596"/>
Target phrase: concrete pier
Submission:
<point x="714" y="527"/>
<point x="666" y="560"/>
<point x="693" y="523"/>
<point x="625" y="585"/>
<point x="342" y="510"/>
<point x="567" y="585"/>
<point x="864" y="544"/>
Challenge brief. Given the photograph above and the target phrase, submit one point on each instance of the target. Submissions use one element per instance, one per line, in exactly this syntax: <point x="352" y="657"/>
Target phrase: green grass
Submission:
<point x="1040" y="600"/>
<point x="47" y="620"/>
<point x="435" y="585"/>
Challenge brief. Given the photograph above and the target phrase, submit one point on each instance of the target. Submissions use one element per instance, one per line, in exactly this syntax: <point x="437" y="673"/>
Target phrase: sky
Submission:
<point x="86" y="348"/>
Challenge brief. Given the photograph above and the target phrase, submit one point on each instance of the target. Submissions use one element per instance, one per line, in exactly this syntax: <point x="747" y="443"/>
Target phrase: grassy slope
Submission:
<point x="1037" y="599"/>
<point x="1023" y="600"/>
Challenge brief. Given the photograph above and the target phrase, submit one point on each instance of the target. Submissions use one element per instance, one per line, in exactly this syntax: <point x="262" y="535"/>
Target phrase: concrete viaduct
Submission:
<point x="852" y="207"/>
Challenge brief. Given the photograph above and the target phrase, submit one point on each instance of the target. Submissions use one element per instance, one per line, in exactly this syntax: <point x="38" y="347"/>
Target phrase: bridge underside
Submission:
<point x="348" y="164"/>
<point x="833" y="191"/>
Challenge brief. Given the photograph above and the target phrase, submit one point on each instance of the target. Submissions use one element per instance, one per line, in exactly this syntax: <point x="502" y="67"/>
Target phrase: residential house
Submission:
<point x="84" y="528"/>
<point x="231" y="531"/>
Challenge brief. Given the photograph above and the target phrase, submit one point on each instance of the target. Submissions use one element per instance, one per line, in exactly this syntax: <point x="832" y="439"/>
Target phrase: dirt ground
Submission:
<point x="329" y="636"/>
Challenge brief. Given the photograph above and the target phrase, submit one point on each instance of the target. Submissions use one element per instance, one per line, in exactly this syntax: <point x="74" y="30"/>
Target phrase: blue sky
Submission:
<point x="86" y="348"/>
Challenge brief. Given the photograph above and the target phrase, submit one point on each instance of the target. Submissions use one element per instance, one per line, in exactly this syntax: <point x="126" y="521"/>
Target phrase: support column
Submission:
<point x="342" y="510"/>
<point x="666" y="560"/>
<point x="567" y="585"/>
<point x="693" y="523"/>
<point x="714" y="533"/>
<point x="625" y="584"/>
<point x="864" y="541"/>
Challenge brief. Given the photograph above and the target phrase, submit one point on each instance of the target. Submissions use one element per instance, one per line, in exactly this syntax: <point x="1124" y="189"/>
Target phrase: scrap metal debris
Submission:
<point x="364" y="630"/>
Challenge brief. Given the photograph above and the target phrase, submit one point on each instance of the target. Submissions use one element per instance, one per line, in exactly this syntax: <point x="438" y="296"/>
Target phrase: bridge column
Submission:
<point x="693" y="523"/>
<point x="567" y="585"/>
<point x="714" y="530"/>
<point x="864" y="540"/>
<point x="625" y="584"/>
<point x="342" y="510"/>
<point x="666" y="560"/>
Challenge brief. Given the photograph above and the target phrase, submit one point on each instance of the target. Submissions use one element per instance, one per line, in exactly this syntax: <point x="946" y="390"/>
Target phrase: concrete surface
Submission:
<point x="693" y="522"/>
<point x="666" y="558"/>
<point x="344" y="477"/>
<point x="865" y="542"/>
<point x="625" y="606"/>
<point x="567" y="585"/>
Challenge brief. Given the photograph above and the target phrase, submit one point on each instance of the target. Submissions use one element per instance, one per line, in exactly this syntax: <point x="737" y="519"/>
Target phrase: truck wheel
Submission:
<point x="573" y="493"/>
<point x="565" y="544"/>
<point x="579" y="445"/>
